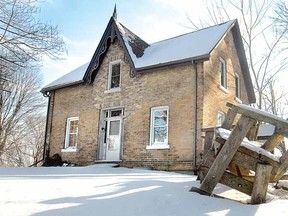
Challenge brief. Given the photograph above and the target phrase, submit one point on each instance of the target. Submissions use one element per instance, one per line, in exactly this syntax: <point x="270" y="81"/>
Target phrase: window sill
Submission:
<point x="223" y="89"/>
<point x="69" y="150"/>
<point x="238" y="100"/>
<point x="158" y="146"/>
<point x="113" y="90"/>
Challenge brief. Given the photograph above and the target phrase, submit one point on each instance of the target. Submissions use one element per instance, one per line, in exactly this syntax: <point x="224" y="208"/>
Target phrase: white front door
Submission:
<point x="113" y="139"/>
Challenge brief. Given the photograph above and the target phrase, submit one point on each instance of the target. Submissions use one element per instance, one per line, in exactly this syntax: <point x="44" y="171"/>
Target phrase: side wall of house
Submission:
<point x="215" y="97"/>
<point x="172" y="87"/>
<point x="69" y="102"/>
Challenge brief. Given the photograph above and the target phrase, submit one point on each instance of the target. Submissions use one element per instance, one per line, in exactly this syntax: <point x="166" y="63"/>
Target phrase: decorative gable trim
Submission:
<point x="110" y="35"/>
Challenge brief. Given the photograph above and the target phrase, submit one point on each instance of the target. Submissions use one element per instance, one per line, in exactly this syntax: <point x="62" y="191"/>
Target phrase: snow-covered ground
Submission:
<point x="103" y="190"/>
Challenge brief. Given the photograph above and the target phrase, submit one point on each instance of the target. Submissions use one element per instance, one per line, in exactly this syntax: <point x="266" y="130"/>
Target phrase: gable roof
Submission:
<point x="194" y="45"/>
<point x="142" y="56"/>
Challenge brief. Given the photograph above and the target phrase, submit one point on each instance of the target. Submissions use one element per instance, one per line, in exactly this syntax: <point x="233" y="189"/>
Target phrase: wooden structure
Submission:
<point x="238" y="163"/>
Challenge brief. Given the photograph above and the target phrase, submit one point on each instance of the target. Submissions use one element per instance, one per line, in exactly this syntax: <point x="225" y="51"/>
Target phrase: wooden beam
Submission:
<point x="229" y="119"/>
<point x="283" y="167"/>
<point x="237" y="183"/>
<point x="272" y="142"/>
<point x="261" y="115"/>
<point x="260" y="185"/>
<point x="226" y="154"/>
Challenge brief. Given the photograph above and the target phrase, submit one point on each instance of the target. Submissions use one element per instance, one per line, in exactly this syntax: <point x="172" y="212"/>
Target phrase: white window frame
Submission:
<point x="110" y="77"/>
<point x="158" y="145"/>
<point x="68" y="148"/>
<point x="237" y="87"/>
<point x="223" y="70"/>
<point x="220" y="115"/>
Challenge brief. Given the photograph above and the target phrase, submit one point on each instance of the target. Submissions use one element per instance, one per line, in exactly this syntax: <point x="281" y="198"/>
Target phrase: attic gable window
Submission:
<point x="223" y="73"/>
<point x="71" y="137"/>
<point x="237" y="87"/>
<point x="114" y="77"/>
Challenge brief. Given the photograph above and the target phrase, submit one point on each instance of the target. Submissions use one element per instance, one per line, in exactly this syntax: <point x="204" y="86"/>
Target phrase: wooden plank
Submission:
<point x="283" y="167"/>
<point x="226" y="154"/>
<point x="229" y="119"/>
<point x="209" y="135"/>
<point x="261" y="115"/>
<point x="253" y="154"/>
<point x="260" y="185"/>
<point x="237" y="183"/>
<point x="234" y="182"/>
<point x="272" y="142"/>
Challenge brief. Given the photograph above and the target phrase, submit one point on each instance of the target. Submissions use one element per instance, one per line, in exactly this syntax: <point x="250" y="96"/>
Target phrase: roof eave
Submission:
<point x="204" y="57"/>
<point x="243" y="63"/>
<point x="56" y="87"/>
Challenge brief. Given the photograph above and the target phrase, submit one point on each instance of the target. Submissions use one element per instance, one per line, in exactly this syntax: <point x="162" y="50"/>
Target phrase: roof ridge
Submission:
<point x="198" y="30"/>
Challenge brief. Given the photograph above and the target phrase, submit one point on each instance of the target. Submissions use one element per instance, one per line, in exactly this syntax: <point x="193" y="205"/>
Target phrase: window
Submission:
<point x="159" y="127"/>
<point x="223" y="73"/>
<point x="71" y="133"/>
<point x="221" y="118"/>
<point x="114" y="75"/>
<point x="237" y="86"/>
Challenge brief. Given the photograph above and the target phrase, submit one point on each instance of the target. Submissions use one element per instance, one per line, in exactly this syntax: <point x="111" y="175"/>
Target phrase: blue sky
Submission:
<point x="82" y="23"/>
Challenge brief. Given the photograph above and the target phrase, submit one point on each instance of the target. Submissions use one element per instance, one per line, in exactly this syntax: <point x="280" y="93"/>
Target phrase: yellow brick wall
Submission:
<point x="215" y="98"/>
<point x="171" y="86"/>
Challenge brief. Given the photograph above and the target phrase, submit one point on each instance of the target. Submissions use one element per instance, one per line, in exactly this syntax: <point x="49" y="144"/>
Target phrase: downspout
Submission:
<point x="46" y="128"/>
<point x="195" y="118"/>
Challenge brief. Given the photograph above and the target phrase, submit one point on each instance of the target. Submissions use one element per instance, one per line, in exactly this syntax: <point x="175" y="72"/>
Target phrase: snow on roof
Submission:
<point x="188" y="46"/>
<point x="72" y="77"/>
<point x="184" y="47"/>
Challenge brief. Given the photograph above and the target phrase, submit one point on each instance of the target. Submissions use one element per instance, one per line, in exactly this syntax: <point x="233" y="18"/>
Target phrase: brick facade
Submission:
<point x="173" y="86"/>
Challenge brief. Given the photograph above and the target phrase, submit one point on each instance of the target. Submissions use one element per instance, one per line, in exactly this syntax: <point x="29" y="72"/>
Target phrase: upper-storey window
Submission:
<point x="223" y="73"/>
<point x="114" y="75"/>
<point x="237" y="86"/>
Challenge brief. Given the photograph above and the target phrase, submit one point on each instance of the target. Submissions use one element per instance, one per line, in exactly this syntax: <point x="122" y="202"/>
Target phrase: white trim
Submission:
<point x="69" y="149"/>
<point x="67" y="140"/>
<point x="158" y="145"/>
<point x="223" y="89"/>
<point x="222" y="62"/>
<point x="113" y="90"/>
<point x="109" y="89"/>
<point x="238" y="100"/>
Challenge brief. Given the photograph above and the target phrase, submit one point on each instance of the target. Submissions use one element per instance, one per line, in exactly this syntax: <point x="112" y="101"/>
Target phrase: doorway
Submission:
<point x="111" y="135"/>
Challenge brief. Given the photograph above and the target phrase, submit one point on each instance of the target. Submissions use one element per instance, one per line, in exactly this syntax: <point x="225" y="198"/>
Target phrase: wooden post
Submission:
<point x="260" y="185"/>
<point x="226" y="154"/>
<point x="272" y="142"/>
<point x="229" y="119"/>
<point x="283" y="167"/>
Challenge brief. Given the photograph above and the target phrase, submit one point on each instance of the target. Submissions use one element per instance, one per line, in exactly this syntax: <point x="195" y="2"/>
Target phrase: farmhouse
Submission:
<point x="144" y="105"/>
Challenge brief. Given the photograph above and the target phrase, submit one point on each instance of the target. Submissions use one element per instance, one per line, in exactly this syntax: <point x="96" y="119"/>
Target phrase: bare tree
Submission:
<point x="263" y="44"/>
<point x="19" y="103"/>
<point x="23" y="38"/>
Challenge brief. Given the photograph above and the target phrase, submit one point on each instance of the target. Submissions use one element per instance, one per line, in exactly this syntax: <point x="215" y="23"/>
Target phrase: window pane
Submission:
<point x="115" y="76"/>
<point x="73" y="126"/>
<point x="160" y="118"/>
<point x="160" y="134"/>
<point x="237" y="85"/>
<point x="72" y="140"/>
<point x="114" y="127"/>
<point x="116" y="113"/>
